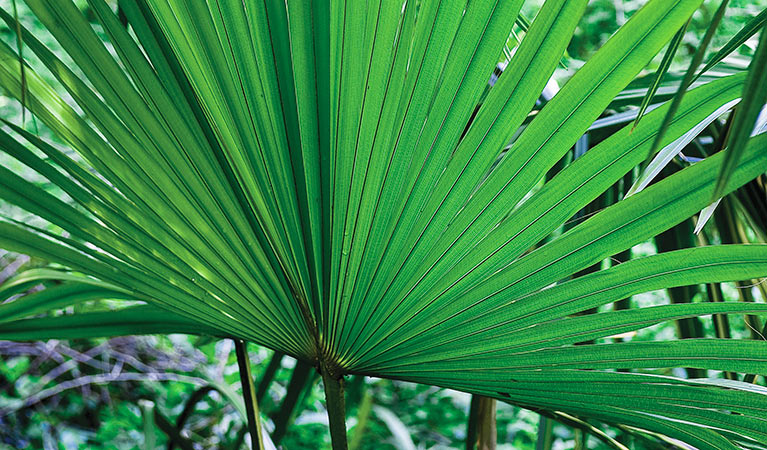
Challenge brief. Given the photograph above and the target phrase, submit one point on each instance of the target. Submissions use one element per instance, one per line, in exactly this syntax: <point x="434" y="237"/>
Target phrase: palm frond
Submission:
<point x="335" y="181"/>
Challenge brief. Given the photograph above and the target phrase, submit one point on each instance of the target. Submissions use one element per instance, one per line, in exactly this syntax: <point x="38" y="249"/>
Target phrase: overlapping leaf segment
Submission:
<point x="300" y="174"/>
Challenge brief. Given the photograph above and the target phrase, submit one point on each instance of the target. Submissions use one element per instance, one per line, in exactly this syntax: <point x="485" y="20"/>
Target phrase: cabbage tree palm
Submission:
<point x="311" y="176"/>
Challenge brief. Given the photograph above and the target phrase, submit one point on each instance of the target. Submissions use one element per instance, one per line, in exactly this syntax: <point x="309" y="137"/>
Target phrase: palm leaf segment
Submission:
<point x="301" y="175"/>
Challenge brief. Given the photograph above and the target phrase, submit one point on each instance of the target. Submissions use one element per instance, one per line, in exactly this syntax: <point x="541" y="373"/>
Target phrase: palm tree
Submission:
<point x="316" y="177"/>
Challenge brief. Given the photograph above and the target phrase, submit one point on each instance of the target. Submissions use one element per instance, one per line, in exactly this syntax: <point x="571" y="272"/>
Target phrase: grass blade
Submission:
<point x="751" y="28"/>
<point x="689" y="75"/>
<point x="665" y="64"/>
<point x="754" y="98"/>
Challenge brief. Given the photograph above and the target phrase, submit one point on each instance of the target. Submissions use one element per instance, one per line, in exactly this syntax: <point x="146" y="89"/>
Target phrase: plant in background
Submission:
<point x="318" y="178"/>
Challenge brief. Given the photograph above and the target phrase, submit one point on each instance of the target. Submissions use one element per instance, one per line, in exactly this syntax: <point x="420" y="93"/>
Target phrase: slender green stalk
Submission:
<point x="481" y="433"/>
<point x="487" y="434"/>
<point x="545" y="434"/>
<point x="581" y="439"/>
<point x="147" y="411"/>
<point x="249" y="393"/>
<point x="334" y="400"/>
<point x="268" y="375"/>
<point x="363" y="415"/>
<point x="301" y="380"/>
<point x="471" y="428"/>
<point x="175" y="439"/>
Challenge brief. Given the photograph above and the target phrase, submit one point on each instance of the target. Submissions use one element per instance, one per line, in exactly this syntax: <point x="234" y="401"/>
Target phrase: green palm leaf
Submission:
<point x="310" y="176"/>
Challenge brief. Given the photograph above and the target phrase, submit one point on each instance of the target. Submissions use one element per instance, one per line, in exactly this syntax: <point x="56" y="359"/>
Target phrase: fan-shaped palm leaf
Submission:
<point x="308" y="176"/>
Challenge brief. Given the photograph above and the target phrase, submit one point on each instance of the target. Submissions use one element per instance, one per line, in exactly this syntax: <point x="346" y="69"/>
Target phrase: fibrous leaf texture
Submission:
<point x="331" y="179"/>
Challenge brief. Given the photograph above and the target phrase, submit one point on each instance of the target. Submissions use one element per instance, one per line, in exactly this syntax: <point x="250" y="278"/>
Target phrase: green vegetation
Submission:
<point x="415" y="258"/>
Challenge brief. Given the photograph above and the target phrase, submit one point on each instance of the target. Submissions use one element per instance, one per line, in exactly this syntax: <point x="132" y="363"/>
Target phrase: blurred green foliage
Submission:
<point x="89" y="394"/>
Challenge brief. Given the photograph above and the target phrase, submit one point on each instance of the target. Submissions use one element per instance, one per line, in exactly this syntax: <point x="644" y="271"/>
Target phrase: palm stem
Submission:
<point x="486" y="430"/>
<point x="334" y="399"/>
<point x="249" y="394"/>
<point x="481" y="433"/>
<point x="545" y="434"/>
<point x="471" y="429"/>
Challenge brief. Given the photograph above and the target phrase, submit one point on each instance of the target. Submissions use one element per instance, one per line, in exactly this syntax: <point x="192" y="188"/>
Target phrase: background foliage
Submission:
<point x="103" y="392"/>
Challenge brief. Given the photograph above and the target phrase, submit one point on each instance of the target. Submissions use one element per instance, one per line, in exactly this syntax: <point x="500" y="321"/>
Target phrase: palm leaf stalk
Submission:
<point x="300" y="175"/>
<point x="301" y="380"/>
<point x="249" y="392"/>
